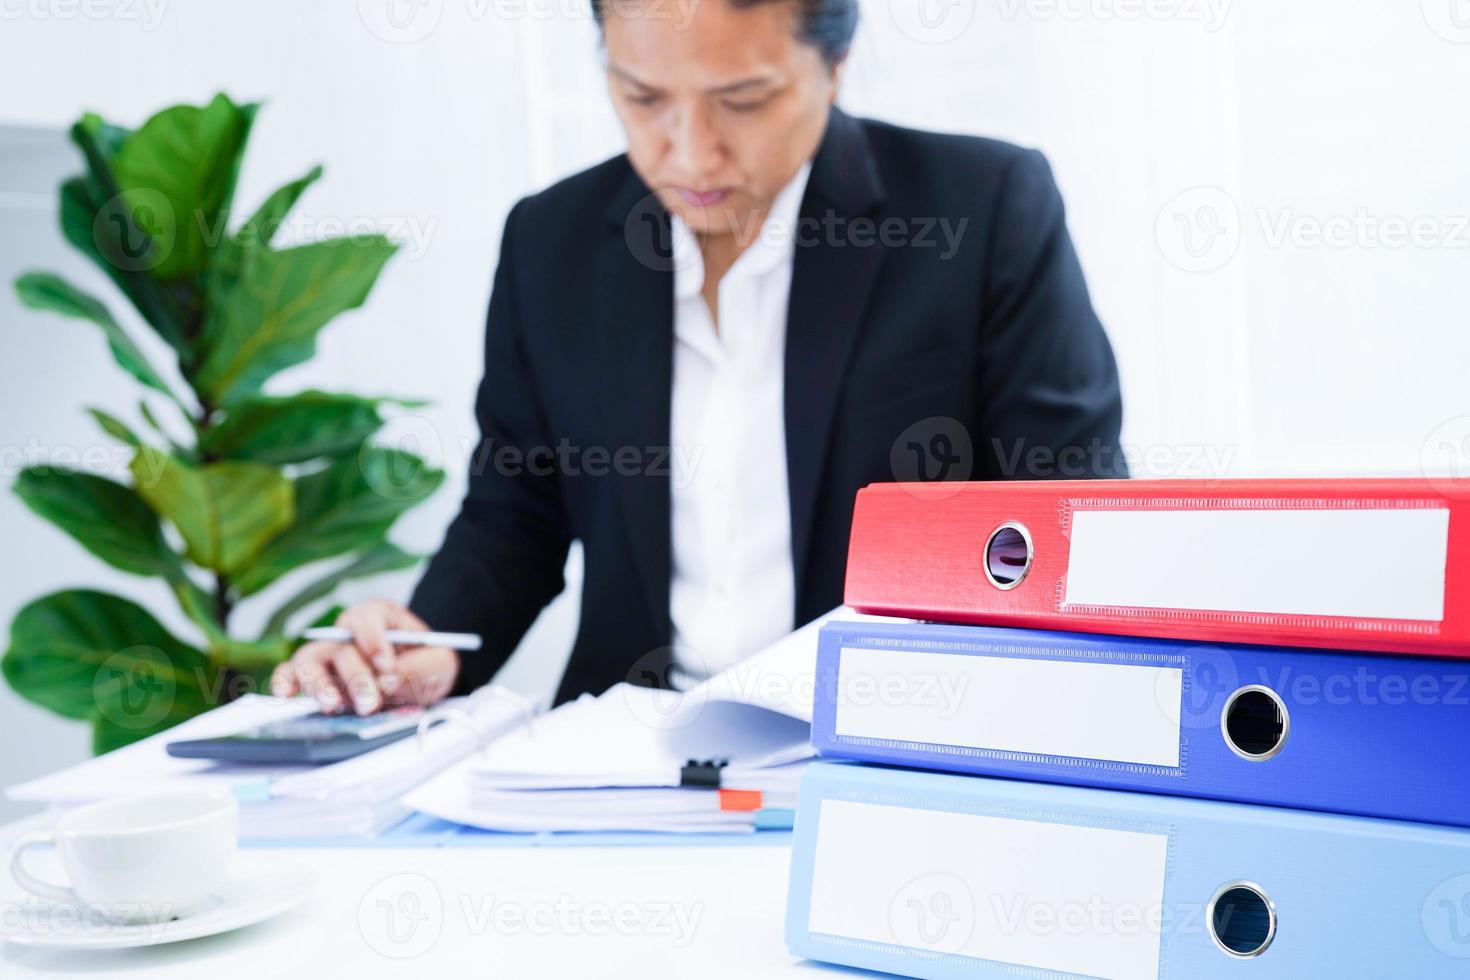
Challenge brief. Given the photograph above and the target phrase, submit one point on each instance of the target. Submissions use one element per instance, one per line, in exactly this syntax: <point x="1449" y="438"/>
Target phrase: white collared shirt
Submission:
<point x="733" y="589"/>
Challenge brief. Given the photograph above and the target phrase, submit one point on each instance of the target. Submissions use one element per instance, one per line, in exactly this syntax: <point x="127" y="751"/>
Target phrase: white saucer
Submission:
<point x="257" y="890"/>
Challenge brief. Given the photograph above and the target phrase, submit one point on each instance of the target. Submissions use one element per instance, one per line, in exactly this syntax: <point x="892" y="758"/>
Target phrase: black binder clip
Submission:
<point x="704" y="774"/>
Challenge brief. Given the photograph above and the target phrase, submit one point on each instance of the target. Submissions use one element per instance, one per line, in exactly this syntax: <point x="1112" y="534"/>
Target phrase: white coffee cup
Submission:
<point x="145" y="858"/>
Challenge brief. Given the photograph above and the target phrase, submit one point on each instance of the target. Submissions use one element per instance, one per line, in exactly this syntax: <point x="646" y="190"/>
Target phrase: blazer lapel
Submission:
<point x="635" y="330"/>
<point x="832" y="280"/>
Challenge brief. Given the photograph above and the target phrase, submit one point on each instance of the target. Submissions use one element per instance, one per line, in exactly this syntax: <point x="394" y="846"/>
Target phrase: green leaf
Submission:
<point x="199" y="605"/>
<point x="264" y="315"/>
<point x="262" y="227"/>
<point x="105" y="517"/>
<point x="292" y="429"/>
<point x="114" y="523"/>
<point x="148" y="705"/>
<point x="382" y="557"/>
<point x="107" y="137"/>
<point x="108" y="735"/>
<point x="115" y="427"/>
<point x="44" y="291"/>
<point x="185" y="453"/>
<point x="152" y="420"/>
<point x="177" y="174"/>
<point x="329" y="616"/>
<point x="91" y="655"/>
<point x="248" y="112"/>
<point x="344" y="507"/>
<point x="259" y="231"/>
<point x="253" y="654"/>
<point x="225" y="511"/>
<point x="97" y="222"/>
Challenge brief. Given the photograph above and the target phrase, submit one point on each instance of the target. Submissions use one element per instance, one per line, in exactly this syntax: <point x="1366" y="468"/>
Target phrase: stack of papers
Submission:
<point x="358" y="797"/>
<point x="771" y="796"/>
<point x="720" y="757"/>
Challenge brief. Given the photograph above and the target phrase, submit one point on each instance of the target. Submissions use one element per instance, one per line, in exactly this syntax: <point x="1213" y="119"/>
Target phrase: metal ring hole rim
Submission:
<point x="1285" y="723"/>
<point x="990" y="542"/>
<point x="1260" y="893"/>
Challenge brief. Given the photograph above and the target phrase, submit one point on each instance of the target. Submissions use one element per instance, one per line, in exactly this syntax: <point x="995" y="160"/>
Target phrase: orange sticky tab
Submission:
<point x="745" y="800"/>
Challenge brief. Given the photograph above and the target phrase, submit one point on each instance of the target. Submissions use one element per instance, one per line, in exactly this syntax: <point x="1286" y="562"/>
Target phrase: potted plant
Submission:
<point x="228" y="488"/>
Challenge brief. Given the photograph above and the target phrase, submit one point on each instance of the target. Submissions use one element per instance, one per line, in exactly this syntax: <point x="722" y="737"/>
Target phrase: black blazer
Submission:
<point x="896" y="327"/>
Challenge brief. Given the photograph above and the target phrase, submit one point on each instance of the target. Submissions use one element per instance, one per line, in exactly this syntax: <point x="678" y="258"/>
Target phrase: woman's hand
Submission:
<point x="368" y="674"/>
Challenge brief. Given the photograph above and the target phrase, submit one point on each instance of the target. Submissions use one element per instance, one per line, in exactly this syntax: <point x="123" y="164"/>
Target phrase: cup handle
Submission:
<point x="29" y="882"/>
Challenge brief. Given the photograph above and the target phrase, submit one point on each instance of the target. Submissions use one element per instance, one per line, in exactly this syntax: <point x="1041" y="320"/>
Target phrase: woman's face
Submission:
<point x="721" y="105"/>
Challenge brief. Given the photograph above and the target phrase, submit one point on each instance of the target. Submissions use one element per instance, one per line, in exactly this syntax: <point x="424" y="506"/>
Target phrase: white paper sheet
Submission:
<point x="756" y="715"/>
<point x="450" y="799"/>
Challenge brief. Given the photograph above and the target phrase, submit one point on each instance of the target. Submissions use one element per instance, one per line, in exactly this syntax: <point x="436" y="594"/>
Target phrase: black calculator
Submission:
<point x="313" y="738"/>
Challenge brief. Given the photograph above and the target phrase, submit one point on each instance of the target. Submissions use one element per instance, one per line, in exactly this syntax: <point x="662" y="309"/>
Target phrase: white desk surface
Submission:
<point x="700" y="912"/>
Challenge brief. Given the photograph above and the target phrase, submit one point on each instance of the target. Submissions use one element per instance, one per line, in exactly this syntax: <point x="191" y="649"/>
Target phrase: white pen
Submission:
<point x="399" y="638"/>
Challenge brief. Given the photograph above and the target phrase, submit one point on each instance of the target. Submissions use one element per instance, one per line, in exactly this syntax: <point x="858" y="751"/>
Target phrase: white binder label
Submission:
<point x="1075" y="709"/>
<point x="1041" y="895"/>
<point x="1376" y="564"/>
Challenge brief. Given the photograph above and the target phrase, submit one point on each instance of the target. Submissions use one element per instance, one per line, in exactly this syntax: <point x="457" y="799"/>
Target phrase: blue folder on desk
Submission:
<point x="938" y="875"/>
<point x="1383" y="736"/>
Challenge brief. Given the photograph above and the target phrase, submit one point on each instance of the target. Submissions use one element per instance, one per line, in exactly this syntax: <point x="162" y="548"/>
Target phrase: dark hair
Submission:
<point x="827" y="25"/>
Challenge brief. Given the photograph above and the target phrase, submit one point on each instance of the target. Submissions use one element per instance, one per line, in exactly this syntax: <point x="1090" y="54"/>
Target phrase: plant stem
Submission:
<point x="202" y="424"/>
<point x="223" y="606"/>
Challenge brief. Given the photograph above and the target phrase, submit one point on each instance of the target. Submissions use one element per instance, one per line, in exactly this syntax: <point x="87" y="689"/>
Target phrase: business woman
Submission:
<point x="697" y="352"/>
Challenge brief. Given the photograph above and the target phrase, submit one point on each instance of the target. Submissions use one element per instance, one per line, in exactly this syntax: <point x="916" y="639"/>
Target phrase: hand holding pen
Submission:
<point x="378" y="655"/>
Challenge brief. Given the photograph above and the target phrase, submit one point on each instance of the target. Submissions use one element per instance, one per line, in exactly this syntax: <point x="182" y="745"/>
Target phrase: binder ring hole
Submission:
<point x="1241" y="919"/>
<point x="1255" y="723"/>
<point x="1008" y="555"/>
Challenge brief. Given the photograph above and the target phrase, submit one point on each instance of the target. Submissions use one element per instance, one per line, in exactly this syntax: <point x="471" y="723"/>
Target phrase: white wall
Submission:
<point x="1255" y="355"/>
<point x="36" y="406"/>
